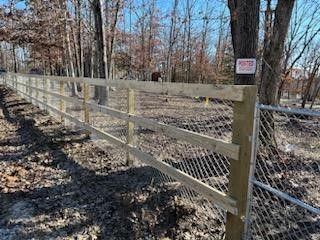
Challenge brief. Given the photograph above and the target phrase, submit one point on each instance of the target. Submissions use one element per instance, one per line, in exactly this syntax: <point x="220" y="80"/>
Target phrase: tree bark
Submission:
<point x="172" y="37"/>
<point x="100" y="91"/>
<point x="311" y="79"/>
<point x="272" y="55"/>
<point x="244" y="31"/>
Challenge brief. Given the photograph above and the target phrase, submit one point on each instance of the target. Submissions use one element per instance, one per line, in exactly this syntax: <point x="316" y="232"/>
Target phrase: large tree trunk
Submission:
<point x="110" y="48"/>
<point x="315" y="96"/>
<point x="271" y="67"/>
<point x="203" y="48"/>
<point x="189" y="46"/>
<point x="74" y="90"/>
<point x="307" y="92"/>
<point x="272" y="55"/>
<point x="172" y="37"/>
<point x="244" y="30"/>
<point x="14" y="57"/>
<point x="100" y="91"/>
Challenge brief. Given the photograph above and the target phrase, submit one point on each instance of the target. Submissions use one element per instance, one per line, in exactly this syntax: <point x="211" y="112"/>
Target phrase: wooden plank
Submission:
<point x="228" y="92"/>
<point x="62" y="105"/>
<point x="57" y="95"/>
<point x="37" y="87"/>
<point x="29" y="88"/>
<point x="243" y="125"/>
<point x="130" y="124"/>
<point x="228" y="149"/>
<point x="48" y="96"/>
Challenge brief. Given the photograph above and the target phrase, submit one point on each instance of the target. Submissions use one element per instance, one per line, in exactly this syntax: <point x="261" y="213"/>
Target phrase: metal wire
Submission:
<point x="286" y="193"/>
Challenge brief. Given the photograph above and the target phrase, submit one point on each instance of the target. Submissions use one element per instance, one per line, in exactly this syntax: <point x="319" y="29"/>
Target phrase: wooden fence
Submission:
<point x="239" y="151"/>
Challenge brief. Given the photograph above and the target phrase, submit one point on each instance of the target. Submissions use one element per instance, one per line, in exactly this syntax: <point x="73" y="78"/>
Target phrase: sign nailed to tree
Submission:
<point x="246" y="66"/>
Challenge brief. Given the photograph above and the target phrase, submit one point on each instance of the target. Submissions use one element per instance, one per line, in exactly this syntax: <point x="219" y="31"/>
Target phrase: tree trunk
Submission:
<point x="271" y="66"/>
<point x="172" y="37"/>
<point x="100" y="91"/>
<point x="112" y="37"/>
<point x="244" y="31"/>
<point x="315" y="96"/>
<point x="311" y="78"/>
<point x="189" y="50"/>
<point x="271" y="63"/>
<point x="14" y="57"/>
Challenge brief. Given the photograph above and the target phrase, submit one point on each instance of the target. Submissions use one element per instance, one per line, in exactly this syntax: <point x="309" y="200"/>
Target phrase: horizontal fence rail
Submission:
<point x="237" y="153"/>
<point x="230" y="92"/>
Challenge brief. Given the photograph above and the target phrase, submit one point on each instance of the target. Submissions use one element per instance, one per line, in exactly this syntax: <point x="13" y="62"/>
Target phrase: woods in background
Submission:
<point x="179" y="40"/>
<point x="133" y="38"/>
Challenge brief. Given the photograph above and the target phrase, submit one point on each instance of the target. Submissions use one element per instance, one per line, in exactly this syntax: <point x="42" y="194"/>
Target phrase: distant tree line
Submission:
<point x="181" y="40"/>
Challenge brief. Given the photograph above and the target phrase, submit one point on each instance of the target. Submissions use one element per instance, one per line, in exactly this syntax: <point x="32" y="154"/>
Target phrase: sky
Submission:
<point x="20" y="4"/>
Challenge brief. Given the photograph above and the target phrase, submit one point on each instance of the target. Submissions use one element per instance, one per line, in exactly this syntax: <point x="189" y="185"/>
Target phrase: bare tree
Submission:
<point x="304" y="28"/>
<point x="273" y="51"/>
<point x="172" y="39"/>
<point x="313" y="66"/>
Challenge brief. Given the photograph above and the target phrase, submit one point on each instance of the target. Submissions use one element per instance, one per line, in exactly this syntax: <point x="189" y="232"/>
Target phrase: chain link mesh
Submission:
<point x="212" y="118"/>
<point x="288" y="160"/>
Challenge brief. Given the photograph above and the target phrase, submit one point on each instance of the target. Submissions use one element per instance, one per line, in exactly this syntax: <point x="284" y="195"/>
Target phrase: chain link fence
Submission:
<point x="286" y="190"/>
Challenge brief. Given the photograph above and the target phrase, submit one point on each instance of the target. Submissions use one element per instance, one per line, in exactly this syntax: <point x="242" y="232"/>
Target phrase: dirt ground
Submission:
<point x="52" y="186"/>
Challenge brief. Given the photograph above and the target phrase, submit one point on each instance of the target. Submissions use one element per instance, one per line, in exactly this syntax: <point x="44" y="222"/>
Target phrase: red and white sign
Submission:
<point x="246" y="66"/>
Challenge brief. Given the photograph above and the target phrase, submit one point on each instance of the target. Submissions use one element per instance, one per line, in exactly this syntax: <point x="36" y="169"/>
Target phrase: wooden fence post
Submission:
<point x="37" y="91"/>
<point x="16" y="83"/>
<point x="242" y="130"/>
<point x="29" y="89"/>
<point x="48" y="96"/>
<point x="130" y="125"/>
<point x="86" y="88"/>
<point x="62" y="105"/>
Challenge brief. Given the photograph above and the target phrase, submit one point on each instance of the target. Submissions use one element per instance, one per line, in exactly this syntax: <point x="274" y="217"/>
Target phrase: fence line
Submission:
<point x="228" y="149"/>
<point x="237" y="152"/>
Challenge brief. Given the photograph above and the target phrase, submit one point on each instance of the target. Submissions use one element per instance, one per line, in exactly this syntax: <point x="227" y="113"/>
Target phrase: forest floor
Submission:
<point x="52" y="186"/>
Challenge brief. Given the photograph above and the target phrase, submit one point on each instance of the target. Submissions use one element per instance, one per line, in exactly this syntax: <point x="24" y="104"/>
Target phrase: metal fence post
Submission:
<point x="254" y="149"/>
<point x="242" y="134"/>
<point x="130" y="125"/>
